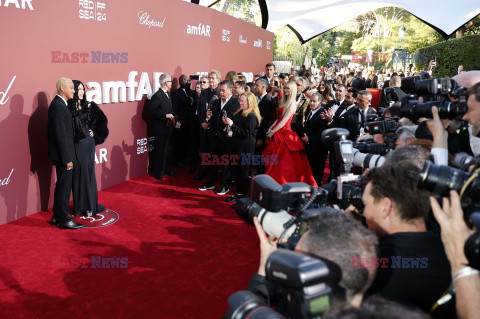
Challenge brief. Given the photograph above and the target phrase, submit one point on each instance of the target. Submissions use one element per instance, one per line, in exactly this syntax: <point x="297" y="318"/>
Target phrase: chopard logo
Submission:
<point x="4" y="95"/>
<point x="201" y="30"/>
<point x="19" y="4"/>
<point x="92" y="10"/>
<point x="144" y="19"/>
<point x="258" y="43"/>
<point x="225" y="35"/>
<point x="242" y="40"/>
<point x="6" y="180"/>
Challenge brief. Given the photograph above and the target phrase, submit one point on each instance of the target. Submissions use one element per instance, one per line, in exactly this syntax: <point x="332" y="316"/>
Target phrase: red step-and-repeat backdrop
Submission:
<point x="117" y="48"/>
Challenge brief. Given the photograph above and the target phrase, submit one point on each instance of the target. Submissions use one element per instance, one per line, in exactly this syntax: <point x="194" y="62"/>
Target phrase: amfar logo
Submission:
<point x="242" y="40"/>
<point x="84" y="57"/>
<point x="92" y="10"/>
<point x="102" y="156"/>
<point x="225" y="35"/>
<point x="4" y="95"/>
<point x="258" y="43"/>
<point x="17" y="4"/>
<point x="144" y="19"/>
<point x="6" y="180"/>
<point x="201" y="30"/>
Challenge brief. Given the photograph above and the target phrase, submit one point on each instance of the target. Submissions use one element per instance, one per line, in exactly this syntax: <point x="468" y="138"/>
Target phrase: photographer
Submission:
<point x="396" y="210"/>
<point x="395" y="94"/>
<point x="455" y="233"/>
<point x="468" y="140"/>
<point x="332" y="238"/>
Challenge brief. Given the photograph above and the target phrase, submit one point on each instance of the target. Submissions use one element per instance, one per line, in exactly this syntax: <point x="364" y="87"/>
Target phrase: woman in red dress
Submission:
<point x="285" y="145"/>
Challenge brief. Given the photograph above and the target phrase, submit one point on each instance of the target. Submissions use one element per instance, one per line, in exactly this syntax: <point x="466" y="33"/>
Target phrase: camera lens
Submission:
<point x="441" y="179"/>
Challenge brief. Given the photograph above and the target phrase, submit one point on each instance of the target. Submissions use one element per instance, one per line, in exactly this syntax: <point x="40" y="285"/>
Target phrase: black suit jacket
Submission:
<point x="359" y="84"/>
<point x="160" y="106"/>
<point x="313" y="129"/>
<point x="267" y="111"/>
<point x="217" y="127"/>
<point x="350" y="120"/>
<point x="396" y="96"/>
<point x="205" y="99"/>
<point x="60" y="132"/>
<point x="339" y="111"/>
<point x="182" y="102"/>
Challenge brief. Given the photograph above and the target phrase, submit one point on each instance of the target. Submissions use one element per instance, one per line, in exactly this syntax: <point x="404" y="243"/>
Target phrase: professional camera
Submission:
<point x="271" y="203"/>
<point x="367" y="160"/>
<point x="341" y="147"/>
<point x="463" y="161"/>
<point x="304" y="280"/>
<point x="409" y="83"/>
<point x="441" y="179"/>
<point x="373" y="148"/>
<point x="351" y="194"/>
<point x="381" y="127"/>
<point x="436" y="92"/>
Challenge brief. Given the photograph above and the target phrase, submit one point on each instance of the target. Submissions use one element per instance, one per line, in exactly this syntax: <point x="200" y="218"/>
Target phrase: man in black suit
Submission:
<point x="161" y="111"/>
<point x="218" y="134"/>
<point x="61" y="151"/>
<point x="348" y="119"/>
<point x="317" y="120"/>
<point x="354" y="118"/>
<point x="267" y="111"/>
<point x="205" y="101"/>
<point x="182" y="100"/>
<point x="340" y="104"/>
<point x="358" y="82"/>
<point x="395" y="96"/>
<point x="269" y="72"/>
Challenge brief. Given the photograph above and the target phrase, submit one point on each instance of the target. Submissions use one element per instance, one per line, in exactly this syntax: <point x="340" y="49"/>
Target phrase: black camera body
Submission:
<point x="303" y="279"/>
<point x="342" y="148"/>
<point x="436" y="92"/>
<point x="381" y="127"/>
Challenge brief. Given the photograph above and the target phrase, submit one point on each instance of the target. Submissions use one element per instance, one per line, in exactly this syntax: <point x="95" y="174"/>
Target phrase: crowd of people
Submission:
<point x="273" y="125"/>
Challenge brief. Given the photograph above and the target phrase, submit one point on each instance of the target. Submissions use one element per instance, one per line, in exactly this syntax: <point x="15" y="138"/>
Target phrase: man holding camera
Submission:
<point x="336" y="240"/>
<point x="416" y="269"/>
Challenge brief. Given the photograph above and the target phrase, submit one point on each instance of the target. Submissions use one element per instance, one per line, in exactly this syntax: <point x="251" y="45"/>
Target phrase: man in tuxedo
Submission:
<point x="302" y="105"/>
<point x="317" y="120"/>
<point x="267" y="112"/>
<point x="204" y="103"/>
<point x="340" y="106"/>
<point x="161" y="112"/>
<point x="61" y="151"/>
<point x="182" y="100"/>
<point x="349" y="118"/>
<point x="218" y="134"/>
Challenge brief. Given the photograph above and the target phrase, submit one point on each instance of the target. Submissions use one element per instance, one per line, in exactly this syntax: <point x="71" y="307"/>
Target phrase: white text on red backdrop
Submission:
<point x="4" y="95"/>
<point x="19" y="4"/>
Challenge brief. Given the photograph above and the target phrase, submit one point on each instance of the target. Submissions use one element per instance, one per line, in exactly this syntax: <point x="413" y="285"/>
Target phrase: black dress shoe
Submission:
<point x="53" y="221"/>
<point x="234" y="198"/>
<point x="70" y="225"/>
<point x="200" y="176"/>
<point x="158" y="178"/>
<point x="171" y="173"/>
<point x="101" y="208"/>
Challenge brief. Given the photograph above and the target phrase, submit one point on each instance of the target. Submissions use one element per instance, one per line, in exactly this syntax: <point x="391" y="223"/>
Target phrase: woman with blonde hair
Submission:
<point x="287" y="161"/>
<point x="241" y="142"/>
<point x="232" y="76"/>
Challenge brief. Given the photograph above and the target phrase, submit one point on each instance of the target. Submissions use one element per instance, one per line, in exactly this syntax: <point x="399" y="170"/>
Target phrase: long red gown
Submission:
<point x="292" y="164"/>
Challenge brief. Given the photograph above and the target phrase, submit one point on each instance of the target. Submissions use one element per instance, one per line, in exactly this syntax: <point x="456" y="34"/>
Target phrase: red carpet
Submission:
<point x="187" y="252"/>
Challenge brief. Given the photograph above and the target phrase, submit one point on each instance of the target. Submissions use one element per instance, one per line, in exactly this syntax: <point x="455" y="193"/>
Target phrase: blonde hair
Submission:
<point x="232" y="76"/>
<point x="252" y="106"/>
<point x="291" y="98"/>
<point x="62" y="82"/>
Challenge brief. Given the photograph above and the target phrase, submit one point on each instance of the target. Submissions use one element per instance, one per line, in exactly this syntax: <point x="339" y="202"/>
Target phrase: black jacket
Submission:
<point x="60" y="133"/>
<point x="182" y="102"/>
<point x="89" y="118"/>
<point x="350" y="120"/>
<point x="205" y="100"/>
<point x="313" y="129"/>
<point x="267" y="111"/>
<point x="217" y="127"/>
<point x="160" y="106"/>
<point x="244" y="131"/>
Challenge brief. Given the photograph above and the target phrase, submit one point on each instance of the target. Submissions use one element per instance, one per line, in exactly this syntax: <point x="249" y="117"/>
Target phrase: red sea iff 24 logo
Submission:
<point x="92" y="57"/>
<point x="92" y="10"/>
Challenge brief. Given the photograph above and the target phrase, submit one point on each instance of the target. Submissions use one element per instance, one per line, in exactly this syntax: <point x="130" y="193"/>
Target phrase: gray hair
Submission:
<point x="164" y="78"/>
<point x="217" y="73"/>
<point x="414" y="154"/>
<point x="263" y="82"/>
<point x="320" y="97"/>
<point x="304" y="82"/>
<point x="366" y="93"/>
<point x="406" y="132"/>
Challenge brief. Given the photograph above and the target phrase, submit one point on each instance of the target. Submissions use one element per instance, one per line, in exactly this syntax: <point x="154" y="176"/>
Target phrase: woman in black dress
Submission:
<point x="244" y="126"/>
<point x="90" y="129"/>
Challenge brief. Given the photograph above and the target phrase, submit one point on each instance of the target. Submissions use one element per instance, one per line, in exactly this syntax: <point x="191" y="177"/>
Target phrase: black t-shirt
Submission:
<point x="418" y="270"/>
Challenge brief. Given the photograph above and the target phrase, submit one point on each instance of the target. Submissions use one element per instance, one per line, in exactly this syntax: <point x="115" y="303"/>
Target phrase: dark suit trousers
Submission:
<point x="63" y="189"/>
<point x="204" y="146"/>
<point x="317" y="164"/>
<point x="163" y="158"/>
<point x="218" y="148"/>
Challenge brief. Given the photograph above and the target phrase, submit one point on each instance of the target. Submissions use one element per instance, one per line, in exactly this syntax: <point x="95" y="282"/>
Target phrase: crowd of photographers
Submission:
<point x="392" y="234"/>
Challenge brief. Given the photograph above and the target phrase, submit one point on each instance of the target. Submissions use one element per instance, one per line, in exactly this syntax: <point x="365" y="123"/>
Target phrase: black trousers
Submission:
<point x="218" y="148"/>
<point x="317" y="164"/>
<point x="163" y="157"/>
<point x="63" y="189"/>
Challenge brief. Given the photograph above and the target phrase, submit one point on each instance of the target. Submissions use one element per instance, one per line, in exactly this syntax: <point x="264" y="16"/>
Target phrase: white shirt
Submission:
<point x="261" y="97"/>
<point x="222" y="104"/>
<point x="63" y="99"/>
<point x="474" y="141"/>
<point x="166" y="92"/>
